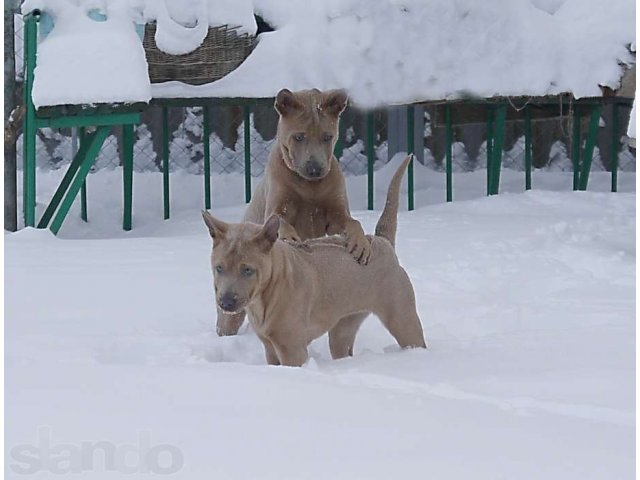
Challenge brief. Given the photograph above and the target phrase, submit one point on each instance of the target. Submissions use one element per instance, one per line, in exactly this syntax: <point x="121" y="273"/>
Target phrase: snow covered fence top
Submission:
<point x="381" y="51"/>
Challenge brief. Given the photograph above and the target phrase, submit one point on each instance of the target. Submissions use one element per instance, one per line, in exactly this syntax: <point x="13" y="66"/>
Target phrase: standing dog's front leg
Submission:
<point x="269" y="351"/>
<point x="228" y="323"/>
<point x="291" y="353"/>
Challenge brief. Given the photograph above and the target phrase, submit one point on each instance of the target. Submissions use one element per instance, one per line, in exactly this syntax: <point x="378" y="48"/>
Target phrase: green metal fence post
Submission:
<point x="594" y="122"/>
<point x="247" y="153"/>
<point x="527" y="148"/>
<point x="449" y="151"/>
<point x="83" y="201"/>
<point x="66" y="180"/>
<point x="29" y="128"/>
<point x="83" y="189"/>
<point x="615" y="143"/>
<point x="496" y="161"/>
<point x="95" y="142"/>
<point x="207" y="157"/>
<point x="165" y="161"/>
<point x="489" y="146"/>
<point x="410" y="149"/>
<point x="337" y="149"/>
<point x="127" y="176"/>
<point x="575" y="149"/>
<point x="370" y="159"/>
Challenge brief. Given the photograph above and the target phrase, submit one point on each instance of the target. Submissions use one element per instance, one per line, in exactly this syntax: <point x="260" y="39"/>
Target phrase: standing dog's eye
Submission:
<point x="247" y="271"/>
<point x="327" y="137"/>
<point x="298" y="137"/>
<point x="219" y="269"/>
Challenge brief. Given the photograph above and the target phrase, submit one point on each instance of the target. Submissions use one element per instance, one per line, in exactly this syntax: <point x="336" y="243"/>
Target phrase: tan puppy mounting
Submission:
<point x="303" y="183"/>
<point x="296" y="293"/>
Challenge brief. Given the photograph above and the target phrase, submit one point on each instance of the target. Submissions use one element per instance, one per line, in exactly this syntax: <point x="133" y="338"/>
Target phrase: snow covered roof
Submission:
<point x="381" y="51"/>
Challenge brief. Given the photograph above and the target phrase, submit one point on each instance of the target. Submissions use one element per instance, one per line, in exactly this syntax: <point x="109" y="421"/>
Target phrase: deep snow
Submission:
<point x="527" y="300"/>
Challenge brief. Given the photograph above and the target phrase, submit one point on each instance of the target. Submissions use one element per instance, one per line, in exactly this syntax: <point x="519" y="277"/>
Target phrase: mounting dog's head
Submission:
<point x="241" y="260"/>
<point x="308" y="129"/>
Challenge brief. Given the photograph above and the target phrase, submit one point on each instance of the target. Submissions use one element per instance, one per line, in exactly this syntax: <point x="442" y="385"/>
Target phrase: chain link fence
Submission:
<point x="551" y="143"/>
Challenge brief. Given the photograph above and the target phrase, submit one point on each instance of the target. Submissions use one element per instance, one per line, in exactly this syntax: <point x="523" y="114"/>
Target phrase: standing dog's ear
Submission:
<point x="286" y="102"/>
<point x="269" y="233"/>
<point x="334" y="102"/>
<point x="217" y="228"/>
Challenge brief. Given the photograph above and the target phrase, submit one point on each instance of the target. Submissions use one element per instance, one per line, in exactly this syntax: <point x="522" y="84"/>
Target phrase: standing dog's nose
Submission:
<point x="313" y="170"/>
<point x="228" y="302"/>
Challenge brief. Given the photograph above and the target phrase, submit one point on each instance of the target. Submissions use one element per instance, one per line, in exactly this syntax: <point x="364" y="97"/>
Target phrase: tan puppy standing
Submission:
<point x="296" y="293"/>
<point x="303" y="183"/>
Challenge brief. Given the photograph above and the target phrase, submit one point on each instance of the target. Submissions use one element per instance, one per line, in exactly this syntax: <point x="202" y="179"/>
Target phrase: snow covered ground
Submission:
<point x="527" y="300"/>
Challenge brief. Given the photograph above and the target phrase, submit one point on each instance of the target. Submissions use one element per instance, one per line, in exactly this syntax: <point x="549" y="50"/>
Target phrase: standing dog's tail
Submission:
<point x="388" y="222"/>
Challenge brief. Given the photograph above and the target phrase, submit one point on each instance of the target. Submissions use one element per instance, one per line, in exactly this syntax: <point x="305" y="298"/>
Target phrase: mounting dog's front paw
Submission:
<point x="359" y="246"/>
<point x="287" y="233"/>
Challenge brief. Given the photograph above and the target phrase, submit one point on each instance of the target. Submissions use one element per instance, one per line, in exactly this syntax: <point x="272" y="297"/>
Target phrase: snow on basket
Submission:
<point x="222" y="51"/>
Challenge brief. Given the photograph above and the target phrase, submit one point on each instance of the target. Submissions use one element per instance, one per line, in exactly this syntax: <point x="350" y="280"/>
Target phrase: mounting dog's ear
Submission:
<point x="286" y="102"/>
<point x="334" y="102"/>
<point x="269" y="233"/>
<point x="217" y="228"/>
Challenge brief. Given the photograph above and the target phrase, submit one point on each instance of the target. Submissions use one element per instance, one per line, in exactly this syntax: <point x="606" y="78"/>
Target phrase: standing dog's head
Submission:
<point x="308" y="129"/>
<point x="241" y="260"/>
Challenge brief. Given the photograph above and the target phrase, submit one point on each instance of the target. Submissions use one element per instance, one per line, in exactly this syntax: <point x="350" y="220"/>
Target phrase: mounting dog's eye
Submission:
<point x="298" y="137"/>
<point x="327" y="137"/>
<point x="219" y="269"/>
<point x="247" y="271"/>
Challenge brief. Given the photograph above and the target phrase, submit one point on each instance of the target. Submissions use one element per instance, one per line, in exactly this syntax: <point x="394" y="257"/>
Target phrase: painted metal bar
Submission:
<point x="89" y="120"/>
<point x="29" y="128"/>
<point x="85" y="142"/>
<point x="92" y="153"/>
<point x="575" y="149"/>
<point x="449" y="151"/>
<point x="247" y="153"/>
<point x="165" y="162"/>
<point x="127" y="175"/>
<point x="83" y="201"/>
<point x="527" y="148"/>
<point x="370" y="159"/>
<point x="590" y="144"/>
<point x="489" y="146"/>
<point x="410" y="150"/>
<point x="615" y="144"/>
<point x="207" y="156"/>
<point x="496" y="162"/>
<point x="339" y="146"/>
<point x="83" y="191"/>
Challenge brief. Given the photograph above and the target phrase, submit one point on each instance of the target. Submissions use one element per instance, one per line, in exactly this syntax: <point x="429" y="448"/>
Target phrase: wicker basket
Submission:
<point x="221" y="52"/>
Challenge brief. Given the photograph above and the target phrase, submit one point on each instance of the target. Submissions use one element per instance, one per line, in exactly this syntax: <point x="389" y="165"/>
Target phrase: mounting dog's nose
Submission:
<point x="313" y="170"/>
<point x="228" y="302"/>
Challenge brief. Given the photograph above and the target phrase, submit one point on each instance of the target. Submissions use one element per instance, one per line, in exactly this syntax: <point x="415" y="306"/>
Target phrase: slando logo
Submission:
<point x="103" y="455"/>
